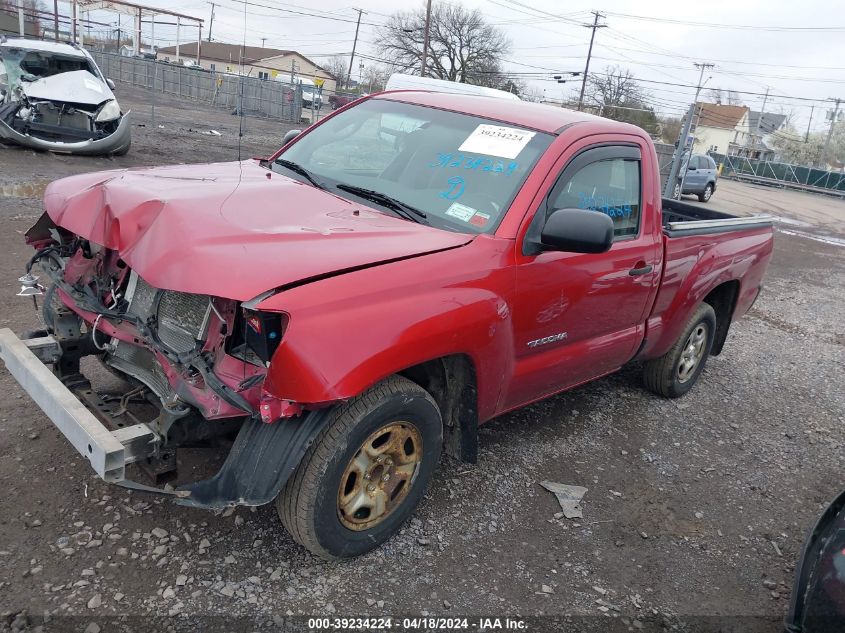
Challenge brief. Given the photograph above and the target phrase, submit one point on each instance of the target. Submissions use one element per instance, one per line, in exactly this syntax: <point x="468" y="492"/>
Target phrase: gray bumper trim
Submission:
<point x="104" y="449"/>
<point x="116" y="142"/>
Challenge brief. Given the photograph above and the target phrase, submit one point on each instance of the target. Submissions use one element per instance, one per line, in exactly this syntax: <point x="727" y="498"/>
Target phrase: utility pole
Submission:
<point x="834" y="117"/>
<point x="758" y="138"/>
<point x="263" y="39"/>
<point x="354" y="46"/>
<point x="56" y="19"/>
<point x="669" y="189"/>
<point x="21" y="24"/>
<point x="595" y="25"/>
<point x="425" y="38"/>
<point x="762" y="111"/>
<point x="703" y="67"/>
<point x="679" y="154"/>
<point x="807" y="135"/>
<point x="210" y="23"/>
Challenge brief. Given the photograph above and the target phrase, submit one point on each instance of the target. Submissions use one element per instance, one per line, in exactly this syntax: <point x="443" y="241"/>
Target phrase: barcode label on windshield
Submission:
<point x="497" y="140"/>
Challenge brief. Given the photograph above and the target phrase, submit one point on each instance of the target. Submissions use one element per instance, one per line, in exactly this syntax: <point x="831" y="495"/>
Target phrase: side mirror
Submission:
<point x="289" y="136"/>
<point x="577" y="231"/>
<point x="692" y="168"/>
<point x="110" y="84"/>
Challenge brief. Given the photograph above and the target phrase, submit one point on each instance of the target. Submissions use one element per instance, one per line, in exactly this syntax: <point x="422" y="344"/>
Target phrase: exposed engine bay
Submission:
<point x="53" y="97"/>
<point x="198" y="361"/>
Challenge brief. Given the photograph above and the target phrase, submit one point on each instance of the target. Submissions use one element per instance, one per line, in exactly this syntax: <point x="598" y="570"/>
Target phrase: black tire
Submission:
<point x="704" y="196"/>
<point x="664" y="375"/>
<point x="309" y="505"/>
<point x="676" y="192"/>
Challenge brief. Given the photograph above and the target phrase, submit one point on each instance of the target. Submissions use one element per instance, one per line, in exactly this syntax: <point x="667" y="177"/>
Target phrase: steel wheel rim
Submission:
<point x="707" y="193"/>
<point x="693" y="352"/>
<point x="379" y="476"/>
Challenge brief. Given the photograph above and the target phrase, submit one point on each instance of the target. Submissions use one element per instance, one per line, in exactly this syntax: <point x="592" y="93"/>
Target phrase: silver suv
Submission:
<point x="699" y="177"/>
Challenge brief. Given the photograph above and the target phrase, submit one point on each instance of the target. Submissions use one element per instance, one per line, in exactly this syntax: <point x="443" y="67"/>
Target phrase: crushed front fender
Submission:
<point x="117" y="142"/>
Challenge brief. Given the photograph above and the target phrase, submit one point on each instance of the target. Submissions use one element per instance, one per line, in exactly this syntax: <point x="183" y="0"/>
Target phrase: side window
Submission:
<point x="695" y="162"/>
<point x="610" y="186"/>
<point x="712" y="163"/>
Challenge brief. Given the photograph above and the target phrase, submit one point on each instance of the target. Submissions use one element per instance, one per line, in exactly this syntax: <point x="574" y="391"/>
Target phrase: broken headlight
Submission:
<point x="109" y="112"/>
<point x="257" y="335"/>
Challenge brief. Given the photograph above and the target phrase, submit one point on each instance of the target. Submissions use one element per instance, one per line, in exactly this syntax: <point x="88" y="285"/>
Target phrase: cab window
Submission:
<point x="610" y="186"/>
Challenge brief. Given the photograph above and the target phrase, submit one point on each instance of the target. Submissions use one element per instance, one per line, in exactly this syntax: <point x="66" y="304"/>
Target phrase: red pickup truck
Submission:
<point x="404" y="270"/>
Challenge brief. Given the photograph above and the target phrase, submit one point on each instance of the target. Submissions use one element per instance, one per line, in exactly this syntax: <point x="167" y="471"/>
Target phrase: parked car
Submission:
<point x="340" y="99"/>
<point x="311" y="95"/>
<point x="699" y="175"/>
<point x="54" y="97"/>
<point x="404" y="270"/>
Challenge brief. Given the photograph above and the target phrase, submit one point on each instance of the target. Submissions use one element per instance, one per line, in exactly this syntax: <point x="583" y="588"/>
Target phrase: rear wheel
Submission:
<point x="676" y="192"/>
<point x="674" y="373"/>
<point x="366" y="472"/>
<point x="704" y="196"/>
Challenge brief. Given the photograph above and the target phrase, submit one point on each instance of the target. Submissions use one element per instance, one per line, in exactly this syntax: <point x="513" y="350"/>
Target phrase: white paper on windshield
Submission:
<point x="497" y="140"/>
<point x="460" y="211"/>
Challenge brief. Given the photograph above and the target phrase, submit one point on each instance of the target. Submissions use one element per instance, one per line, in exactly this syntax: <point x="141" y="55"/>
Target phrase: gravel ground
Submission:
<point x="696" y="508"/>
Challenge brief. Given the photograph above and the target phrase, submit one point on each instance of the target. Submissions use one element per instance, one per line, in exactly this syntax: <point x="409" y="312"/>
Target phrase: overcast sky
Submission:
<point x="794" y="48"/>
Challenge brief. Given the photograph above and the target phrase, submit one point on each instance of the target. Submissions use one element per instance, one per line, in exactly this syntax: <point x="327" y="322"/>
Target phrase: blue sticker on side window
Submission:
<point x="614" y="207"/>
<point x="457" y="160"/>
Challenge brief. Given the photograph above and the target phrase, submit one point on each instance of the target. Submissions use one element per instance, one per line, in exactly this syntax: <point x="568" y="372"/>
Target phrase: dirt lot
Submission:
<point x="696" y="508"/>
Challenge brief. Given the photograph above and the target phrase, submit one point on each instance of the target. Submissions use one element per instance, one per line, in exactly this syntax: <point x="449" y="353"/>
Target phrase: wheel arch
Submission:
<point x="723" y="301"/>
<point x="451" y="381"/>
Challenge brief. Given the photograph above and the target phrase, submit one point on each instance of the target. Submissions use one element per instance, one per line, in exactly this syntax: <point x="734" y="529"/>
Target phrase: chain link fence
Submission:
<point x="782" y="174"/>
<point x="255" y="97"/>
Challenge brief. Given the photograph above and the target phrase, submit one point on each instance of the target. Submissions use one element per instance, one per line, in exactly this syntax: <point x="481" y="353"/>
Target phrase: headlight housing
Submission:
<point x="109" y="112"/>
<point x="257" y="335"/>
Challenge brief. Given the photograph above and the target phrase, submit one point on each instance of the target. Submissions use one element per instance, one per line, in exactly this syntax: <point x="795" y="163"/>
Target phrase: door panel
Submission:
<point x="579" y="316"/>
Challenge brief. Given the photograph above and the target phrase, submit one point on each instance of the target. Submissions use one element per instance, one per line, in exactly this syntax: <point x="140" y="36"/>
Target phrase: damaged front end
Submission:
<point x="59" y="102"/>
<point x="195" y="365"/>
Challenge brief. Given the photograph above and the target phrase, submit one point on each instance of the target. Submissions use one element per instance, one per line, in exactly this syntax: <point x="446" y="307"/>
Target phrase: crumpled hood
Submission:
<point x="77" y="86"/>
<point x="232" y="230"/>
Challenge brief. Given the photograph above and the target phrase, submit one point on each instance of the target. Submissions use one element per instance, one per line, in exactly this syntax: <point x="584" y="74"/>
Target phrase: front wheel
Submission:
<point x="674" y="373"/>
<point x="676" y="192"/>
<point x="704" y="196"/>
<point x="366" y="472"/>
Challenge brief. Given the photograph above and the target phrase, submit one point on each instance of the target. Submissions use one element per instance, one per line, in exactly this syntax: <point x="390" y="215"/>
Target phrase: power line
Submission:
<point x="750" y="27"/>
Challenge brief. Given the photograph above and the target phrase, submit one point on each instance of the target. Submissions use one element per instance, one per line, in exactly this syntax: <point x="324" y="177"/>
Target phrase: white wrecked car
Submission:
<point x="53" y="97"/>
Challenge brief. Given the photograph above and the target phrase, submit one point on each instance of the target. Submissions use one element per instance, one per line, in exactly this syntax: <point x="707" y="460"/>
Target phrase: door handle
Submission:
<point x="639" y="271"/>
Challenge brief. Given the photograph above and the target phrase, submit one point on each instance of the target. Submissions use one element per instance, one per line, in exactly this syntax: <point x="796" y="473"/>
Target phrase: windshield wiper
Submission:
<point x="299" y="169"/>
<point x="405" y="210"/>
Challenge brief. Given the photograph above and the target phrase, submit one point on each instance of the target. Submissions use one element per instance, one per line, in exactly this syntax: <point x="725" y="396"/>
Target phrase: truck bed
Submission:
<point x="681" y="219"/>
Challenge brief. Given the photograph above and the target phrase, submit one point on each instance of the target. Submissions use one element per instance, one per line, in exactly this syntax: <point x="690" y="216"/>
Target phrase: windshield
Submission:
<point x="16" y="63"/>
<point x="462" y="171"/>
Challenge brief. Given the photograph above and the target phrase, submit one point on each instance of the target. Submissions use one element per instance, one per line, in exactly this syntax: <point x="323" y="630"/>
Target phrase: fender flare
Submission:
<point x="261" y="461"/>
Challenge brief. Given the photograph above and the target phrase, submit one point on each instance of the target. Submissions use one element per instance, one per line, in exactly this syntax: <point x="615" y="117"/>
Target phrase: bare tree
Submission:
<point x="670" y="129"/>
<point x="716" y="96"/>
<point x="337" y="67"/>
<point x="374" y="78"/>
<point x="462" y="45"/>
<point x="618" y="95"/>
